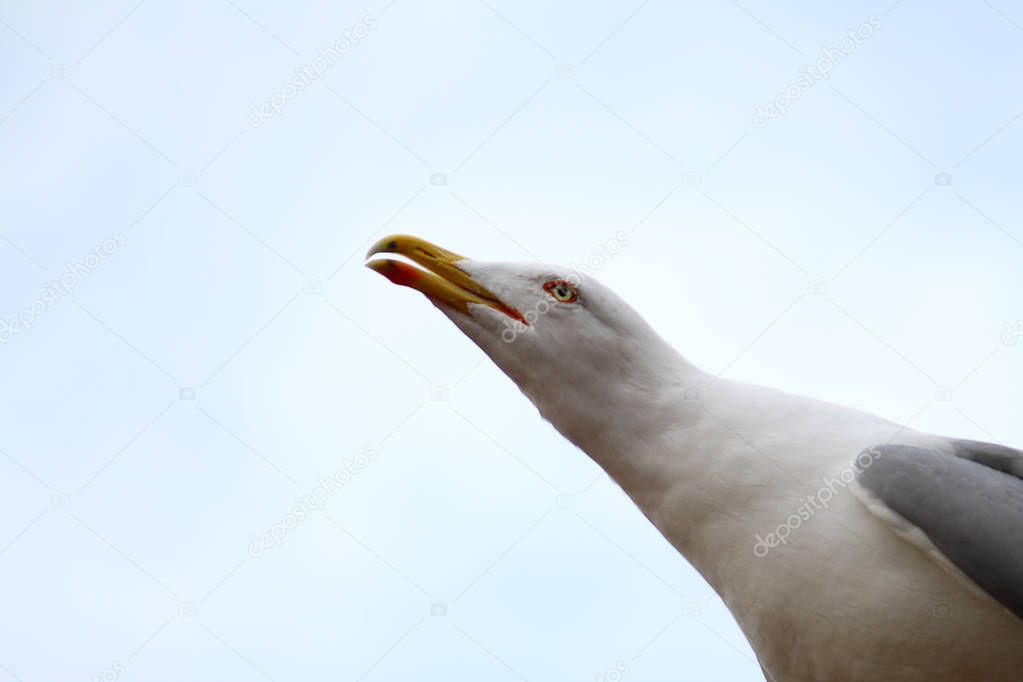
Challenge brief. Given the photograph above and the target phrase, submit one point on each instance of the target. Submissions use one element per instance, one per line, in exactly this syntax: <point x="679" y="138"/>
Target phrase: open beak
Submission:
<point x="441" y="280"/>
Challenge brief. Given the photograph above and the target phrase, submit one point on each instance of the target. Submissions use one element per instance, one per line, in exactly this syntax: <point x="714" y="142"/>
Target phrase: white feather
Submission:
<point x="715" y="464"/>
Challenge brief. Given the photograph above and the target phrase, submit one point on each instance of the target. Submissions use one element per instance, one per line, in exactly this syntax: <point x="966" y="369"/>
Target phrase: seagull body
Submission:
<point x="847" y="547"/>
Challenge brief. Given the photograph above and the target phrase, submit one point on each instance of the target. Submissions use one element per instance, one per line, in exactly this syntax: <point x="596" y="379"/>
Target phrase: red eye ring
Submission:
<point x="562" y="290"/>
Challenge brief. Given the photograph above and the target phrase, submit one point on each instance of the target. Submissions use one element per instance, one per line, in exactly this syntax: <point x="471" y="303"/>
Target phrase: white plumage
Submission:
<point x="835" y="538"/>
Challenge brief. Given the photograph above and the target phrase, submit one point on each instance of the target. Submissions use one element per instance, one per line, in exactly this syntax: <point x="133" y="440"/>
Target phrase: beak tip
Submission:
<point x="381" y="265"/>
<point x="389" y="244"/>
<point x="396" y="271"/>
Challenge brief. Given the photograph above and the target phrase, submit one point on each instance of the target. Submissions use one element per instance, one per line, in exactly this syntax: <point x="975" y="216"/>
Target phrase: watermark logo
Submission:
<point x="307" y="505"/>
<point x="116" y="671"/>
<point x="56" y="289"/>
<point x="810" y="505"/>
<point x="315" y="70"/>
<point x="1012" y="332"/>
<point x="811" y="74"/>
<point x="817" y="287"/>
<point x="602" y="254"/>
<point x="692" y="609"/>
<point x="615" y="673"/>
<point x="531" y="316"/>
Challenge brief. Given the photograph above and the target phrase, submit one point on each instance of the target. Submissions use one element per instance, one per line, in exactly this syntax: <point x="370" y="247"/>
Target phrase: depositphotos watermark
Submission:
<point x="810" y="505"/>
<point x="307" y="505"/>
<point x="56" y="289"/>
<point x="325" y="58"/>
<point x="602" y="255"/>
<point x="615" y="673"/>
<point x="116" y="671"/>
<point x="811" y="74"/>
<point x="1012" y="332"/>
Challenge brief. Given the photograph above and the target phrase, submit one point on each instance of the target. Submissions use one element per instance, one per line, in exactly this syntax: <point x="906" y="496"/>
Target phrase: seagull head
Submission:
<point x="572" y="345"/>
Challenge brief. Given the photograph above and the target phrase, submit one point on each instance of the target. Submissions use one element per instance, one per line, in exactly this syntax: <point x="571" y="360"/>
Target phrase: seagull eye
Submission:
<point x="562" y="291"/>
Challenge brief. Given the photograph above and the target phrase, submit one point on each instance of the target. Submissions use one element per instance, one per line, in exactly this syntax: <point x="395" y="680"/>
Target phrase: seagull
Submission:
<point x="847" y="547"/>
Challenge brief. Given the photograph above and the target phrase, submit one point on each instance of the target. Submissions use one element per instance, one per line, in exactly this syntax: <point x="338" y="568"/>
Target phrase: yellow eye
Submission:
<point x="562" y="291"/>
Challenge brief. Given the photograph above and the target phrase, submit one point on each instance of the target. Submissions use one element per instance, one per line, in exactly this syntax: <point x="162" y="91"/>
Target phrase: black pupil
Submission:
<point x="562" y="291"/>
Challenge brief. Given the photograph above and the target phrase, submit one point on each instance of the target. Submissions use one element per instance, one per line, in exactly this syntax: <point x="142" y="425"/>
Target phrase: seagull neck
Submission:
<point x="666" y="436"/>
<point x="618" y="413"/>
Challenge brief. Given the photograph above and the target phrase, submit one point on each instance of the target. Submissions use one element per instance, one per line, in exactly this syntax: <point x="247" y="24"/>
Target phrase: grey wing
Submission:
<point x="967" y="502"/>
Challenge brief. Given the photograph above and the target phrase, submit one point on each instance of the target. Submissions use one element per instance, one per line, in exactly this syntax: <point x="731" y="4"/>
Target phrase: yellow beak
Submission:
<point x="440" y="281"/>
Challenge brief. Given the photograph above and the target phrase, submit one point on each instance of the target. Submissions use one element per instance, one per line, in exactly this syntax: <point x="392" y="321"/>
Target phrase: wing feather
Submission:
<point x="968" y="503"/>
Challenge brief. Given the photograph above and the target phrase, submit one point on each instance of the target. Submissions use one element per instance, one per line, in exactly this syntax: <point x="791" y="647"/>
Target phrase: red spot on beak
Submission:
<point x="398" y="272"/>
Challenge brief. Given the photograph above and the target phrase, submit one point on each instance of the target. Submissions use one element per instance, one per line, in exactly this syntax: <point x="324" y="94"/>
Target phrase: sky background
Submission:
<point x="863" y="248"/>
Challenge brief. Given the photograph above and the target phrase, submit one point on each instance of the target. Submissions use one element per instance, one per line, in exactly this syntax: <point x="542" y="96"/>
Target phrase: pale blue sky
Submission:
<point x="863" y="248"/>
